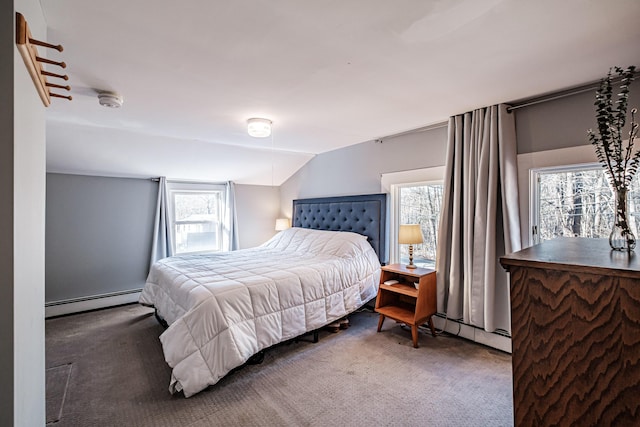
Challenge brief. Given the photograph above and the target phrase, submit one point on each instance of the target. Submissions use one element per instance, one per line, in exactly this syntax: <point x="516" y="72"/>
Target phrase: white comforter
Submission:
<point x="223" y="308"/>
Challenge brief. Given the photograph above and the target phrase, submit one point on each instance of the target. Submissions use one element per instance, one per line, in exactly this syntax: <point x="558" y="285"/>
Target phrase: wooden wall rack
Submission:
<point x="29" y="52"/>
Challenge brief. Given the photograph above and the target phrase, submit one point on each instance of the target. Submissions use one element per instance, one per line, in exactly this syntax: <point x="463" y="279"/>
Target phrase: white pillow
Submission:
<point x="344" y="244"/>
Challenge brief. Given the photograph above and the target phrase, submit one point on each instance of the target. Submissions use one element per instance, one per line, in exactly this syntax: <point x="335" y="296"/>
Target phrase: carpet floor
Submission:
<point x="116" y="376"/>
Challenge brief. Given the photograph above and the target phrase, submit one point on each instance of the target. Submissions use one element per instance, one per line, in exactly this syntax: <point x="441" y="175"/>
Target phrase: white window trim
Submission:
<point x="183" y="187"/>
<point x="391" y="183"/>
<point x="534" y="188"/>
<point x="582" y="154"/>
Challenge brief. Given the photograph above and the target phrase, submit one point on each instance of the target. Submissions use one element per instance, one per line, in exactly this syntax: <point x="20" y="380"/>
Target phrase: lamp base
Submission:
<point x="411" y="265"/>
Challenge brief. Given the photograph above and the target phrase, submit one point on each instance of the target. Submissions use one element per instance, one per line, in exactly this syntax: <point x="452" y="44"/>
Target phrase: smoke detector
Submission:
<point x="110" y="99"/>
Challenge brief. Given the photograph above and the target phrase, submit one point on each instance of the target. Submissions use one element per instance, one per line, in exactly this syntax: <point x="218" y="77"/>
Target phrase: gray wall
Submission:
<point x="99" y="233"/>
<point x="356" y="169"/>
<point x="555" y="124"/>
<point x="258" y="207"/>
<point x="561" y="123"/>
<point x="22" y="215"/>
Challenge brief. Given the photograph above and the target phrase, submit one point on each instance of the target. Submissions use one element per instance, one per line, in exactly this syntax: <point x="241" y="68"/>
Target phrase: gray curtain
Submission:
<point x="480" y="219"/>
<point x="161" y="245"/>
<point x="230" y="239"/>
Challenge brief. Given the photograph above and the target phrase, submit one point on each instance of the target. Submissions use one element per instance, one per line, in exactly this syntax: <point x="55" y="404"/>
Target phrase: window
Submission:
<point x="419" y="203"/>
<point x="576" y="201"/>
<point x="415" y="198"/>
<point x="196" y="216"/>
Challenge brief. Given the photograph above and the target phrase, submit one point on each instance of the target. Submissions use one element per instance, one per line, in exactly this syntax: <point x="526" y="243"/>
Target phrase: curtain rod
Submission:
<point x="592" y="86"/>
<point x="515" y="105"/>
<point x="553" y="96"/>
<point x="186" y="181"/>
<point x="408" y="132"/>
<point x="562" y="93"/>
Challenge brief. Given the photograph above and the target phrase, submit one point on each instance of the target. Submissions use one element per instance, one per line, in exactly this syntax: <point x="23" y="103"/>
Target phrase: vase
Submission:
<point x="621" y="237"/>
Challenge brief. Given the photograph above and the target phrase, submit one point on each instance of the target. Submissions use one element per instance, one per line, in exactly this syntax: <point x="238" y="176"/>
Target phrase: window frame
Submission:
<point x="391" y="183"/>
<point x="395" y="203"/>
<point x="534" y="192"/>
<point x="547" y="158"/>
<point x="177" y="188"/>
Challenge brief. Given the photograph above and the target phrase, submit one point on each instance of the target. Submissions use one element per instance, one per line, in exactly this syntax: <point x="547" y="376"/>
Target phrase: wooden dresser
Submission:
<point x="575" y="315"/>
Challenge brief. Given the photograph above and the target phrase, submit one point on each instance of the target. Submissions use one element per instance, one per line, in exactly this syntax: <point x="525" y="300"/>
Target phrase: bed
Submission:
<point x="223" y="308"/>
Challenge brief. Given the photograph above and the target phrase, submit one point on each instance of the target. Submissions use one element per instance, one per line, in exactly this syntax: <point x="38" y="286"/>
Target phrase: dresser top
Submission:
<point x="577" y="254"/>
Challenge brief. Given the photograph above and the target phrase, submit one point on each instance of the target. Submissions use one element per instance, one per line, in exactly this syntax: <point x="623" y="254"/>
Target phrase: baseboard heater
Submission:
<point x="93" y="302"/>
<point x="499" y="340"/>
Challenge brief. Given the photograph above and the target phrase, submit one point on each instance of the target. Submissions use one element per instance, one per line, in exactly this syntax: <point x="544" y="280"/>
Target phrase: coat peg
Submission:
<point x="58" y="47"/>
<point x="49" y="61"/>
<point x="69" y="97"/>
<point x="50" y="74"/>
<point x="57" y="86"/>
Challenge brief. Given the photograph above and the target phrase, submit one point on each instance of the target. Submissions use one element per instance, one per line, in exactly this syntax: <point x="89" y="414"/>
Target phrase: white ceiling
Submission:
<point x="329" y="73"/>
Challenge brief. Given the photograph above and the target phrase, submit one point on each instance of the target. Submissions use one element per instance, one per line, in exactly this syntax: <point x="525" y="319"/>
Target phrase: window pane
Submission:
<point x="197" y="221"/>
<point x="421" y="204"/>
<point x="580" y="203"/>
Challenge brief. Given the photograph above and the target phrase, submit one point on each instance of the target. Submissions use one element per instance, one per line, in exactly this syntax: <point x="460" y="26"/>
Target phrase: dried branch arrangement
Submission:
<point x="617" y="157"/>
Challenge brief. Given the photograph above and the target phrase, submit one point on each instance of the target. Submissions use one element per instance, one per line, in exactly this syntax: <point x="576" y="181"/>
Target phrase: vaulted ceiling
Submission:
<point x="328" y="73"/>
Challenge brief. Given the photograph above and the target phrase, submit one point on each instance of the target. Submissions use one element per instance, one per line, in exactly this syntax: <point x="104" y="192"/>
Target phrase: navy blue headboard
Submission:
<point x="365" y="214"/>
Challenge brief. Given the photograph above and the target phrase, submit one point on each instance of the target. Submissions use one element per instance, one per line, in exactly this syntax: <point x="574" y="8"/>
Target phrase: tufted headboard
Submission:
<point x="365" y="214"/>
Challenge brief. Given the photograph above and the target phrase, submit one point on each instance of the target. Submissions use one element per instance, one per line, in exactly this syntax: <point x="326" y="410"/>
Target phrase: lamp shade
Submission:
<point x="282" y="224"/>
<point x="259" y="128"/>
<point x="410" y="234"/>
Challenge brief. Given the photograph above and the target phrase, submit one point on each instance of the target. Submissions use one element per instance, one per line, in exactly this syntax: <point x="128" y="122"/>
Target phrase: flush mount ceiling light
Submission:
<point x="259" y="128"/>
<point x="110" y="99"/>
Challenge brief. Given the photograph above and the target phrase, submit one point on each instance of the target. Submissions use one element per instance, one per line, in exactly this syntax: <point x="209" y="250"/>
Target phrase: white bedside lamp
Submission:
<point x="410" y="234"/>
<point x="282" y="224"/>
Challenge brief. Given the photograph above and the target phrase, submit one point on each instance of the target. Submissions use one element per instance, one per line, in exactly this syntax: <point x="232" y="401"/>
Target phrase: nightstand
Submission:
<point x="404" y="303"/>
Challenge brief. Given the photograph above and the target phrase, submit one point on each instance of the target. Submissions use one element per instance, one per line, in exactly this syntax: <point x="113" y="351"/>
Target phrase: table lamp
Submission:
<point x="282" y="224"/>
<point x="410" y="234"/>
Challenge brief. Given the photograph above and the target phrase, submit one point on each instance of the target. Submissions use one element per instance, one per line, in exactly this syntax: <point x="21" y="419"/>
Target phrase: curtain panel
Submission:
<point x="161" y="246"/>
<point x="163" y="238"/>
<point x="480" y="219"/>
<point x="230" y="236"/>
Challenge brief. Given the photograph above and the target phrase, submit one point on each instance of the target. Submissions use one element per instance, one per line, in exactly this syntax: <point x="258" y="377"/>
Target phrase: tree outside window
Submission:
<point x="421" y="204"/>
<point x="578" y="202"/>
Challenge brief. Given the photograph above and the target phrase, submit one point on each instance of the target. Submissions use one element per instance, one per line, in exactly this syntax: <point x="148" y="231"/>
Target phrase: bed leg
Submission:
<point x="306" y="334"/>
<point x="160" y="319"/>
<point x="256" y="359"/>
